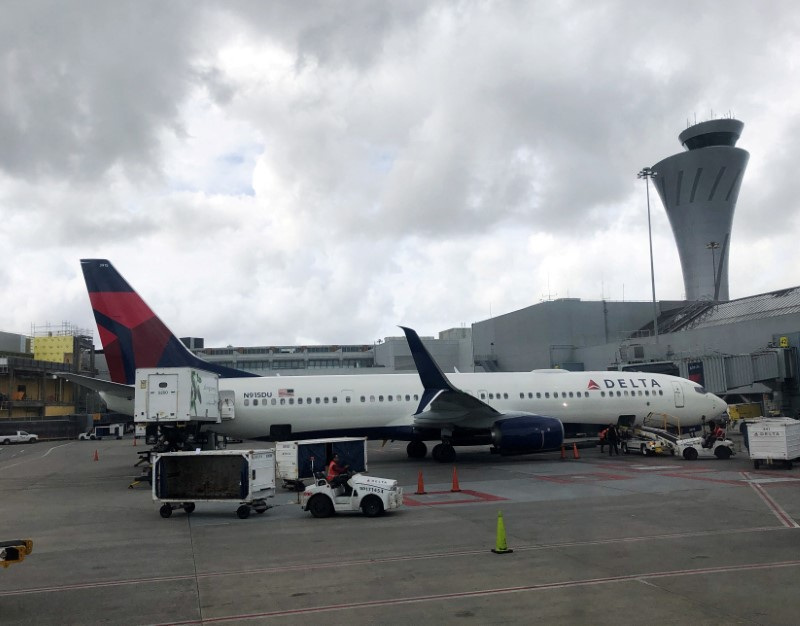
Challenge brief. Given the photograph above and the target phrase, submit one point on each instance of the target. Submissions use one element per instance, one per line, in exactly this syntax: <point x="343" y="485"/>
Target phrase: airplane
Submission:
<point x="513" y="412"/>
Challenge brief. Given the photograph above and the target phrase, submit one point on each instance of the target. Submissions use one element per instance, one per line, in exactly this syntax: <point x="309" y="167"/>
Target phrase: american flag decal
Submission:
<point x="285" y="393"/>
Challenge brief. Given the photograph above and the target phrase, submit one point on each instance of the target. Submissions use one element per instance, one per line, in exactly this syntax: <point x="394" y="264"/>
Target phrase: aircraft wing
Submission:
<point x="442" y="404"/>
<point x="103" y="386"/>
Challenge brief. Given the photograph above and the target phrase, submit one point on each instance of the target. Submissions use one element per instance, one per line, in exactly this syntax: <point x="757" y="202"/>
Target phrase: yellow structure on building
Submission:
<point x="56" y="349"/>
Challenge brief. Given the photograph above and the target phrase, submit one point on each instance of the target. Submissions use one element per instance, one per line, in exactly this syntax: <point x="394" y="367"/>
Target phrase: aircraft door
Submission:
<point x="227" y="401"/>
<point x="677" y="391"/>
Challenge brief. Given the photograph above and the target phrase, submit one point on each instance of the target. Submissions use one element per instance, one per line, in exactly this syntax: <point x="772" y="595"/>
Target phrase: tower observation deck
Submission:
<point x="699" y="189"/>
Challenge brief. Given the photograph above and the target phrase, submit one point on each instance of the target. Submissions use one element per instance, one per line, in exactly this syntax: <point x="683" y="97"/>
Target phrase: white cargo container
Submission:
<point x="772" y="439"/>
<point x="245" y="476"/>
<point x="297" y="461"/>
<point x="176" y="394"/>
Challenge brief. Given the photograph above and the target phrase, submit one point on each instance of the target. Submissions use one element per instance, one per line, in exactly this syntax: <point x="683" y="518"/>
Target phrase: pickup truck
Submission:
<point x="19" y="436"/>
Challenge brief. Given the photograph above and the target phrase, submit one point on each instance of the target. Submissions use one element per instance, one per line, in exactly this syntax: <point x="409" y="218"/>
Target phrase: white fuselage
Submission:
<point x="383" y="406"/>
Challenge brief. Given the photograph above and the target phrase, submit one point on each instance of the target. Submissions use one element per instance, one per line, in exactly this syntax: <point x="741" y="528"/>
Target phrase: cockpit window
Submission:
<point x="700" y="389"/>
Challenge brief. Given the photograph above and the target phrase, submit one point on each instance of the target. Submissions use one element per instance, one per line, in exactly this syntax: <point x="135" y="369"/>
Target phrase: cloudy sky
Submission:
<point x="319" y="172"/>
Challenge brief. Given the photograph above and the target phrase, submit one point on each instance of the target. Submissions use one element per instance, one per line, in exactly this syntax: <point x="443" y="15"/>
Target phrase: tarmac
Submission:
<point x="591" y="540"/>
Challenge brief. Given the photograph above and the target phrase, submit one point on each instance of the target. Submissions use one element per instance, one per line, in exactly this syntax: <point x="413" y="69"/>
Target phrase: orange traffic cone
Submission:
<point x="563" y="453"/>
<point x="455" y="480"/>
<point x="96" y="456"/>
<point x="420" y="485"/>
<point x="575" y="451"/>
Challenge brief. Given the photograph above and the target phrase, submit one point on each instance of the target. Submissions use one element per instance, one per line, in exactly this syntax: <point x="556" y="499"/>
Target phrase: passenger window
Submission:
<point x="317" y="400"/>
<point x="505" y="396"/>
<point x="335" y="399"/>
<point x="255" y="402"/>
<point x="546" y="394"/>
<point x="389" y="398"/>
<point x="416" y="397"/>
<point x="291" y="400"/>
<point x="602" y="394"/>
<point x="538" y="394"/>
<point x="299" y="400"/>
<point x="408" y="398"/>
<point x="570" y="394"/>
<point x="326" y="399"/>
<point x="283" y="401"/>
<point x="347" y="399"/>
<point x="247" y="402"/>
<point x="363" y="398"/>
<point x="380" y="398"/>
<point x="273" y="402"/>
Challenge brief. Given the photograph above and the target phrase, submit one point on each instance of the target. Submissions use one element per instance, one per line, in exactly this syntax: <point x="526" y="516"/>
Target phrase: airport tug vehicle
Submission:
<point x="692" y="449"/>
<point x="369" y="494"/>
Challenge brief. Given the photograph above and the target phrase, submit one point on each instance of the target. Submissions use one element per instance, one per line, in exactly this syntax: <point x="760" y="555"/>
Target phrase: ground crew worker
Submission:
<point x="612" y="435"/>
<point x="337" y="471"/>
<point x="602" y="435"/>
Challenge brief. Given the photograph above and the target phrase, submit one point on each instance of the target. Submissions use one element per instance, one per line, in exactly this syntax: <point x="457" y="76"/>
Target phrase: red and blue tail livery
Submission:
<point x="132" y="335"/>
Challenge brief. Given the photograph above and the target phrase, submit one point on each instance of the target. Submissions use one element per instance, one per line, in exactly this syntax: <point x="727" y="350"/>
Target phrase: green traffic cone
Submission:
<point x="501" y="546"/>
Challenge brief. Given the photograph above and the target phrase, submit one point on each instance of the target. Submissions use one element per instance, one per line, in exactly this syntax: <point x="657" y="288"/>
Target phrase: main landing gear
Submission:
<point x="416" y="449"/>
<point x="442" y="452"/>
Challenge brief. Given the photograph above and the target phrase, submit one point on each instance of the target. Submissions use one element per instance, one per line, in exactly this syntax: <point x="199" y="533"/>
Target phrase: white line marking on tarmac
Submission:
<point x="25" y="460"/>
<point x="498" y="591"/>
<point x="374" y="561"/>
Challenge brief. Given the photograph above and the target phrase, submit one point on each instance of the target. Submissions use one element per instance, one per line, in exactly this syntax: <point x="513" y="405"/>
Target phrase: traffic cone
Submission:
<point x="455" y="480"/>
<point x="96" y="456"/>
<point x="420" y="486"/>
<point x="575" y="451"/>
<point x="500" y="546"/>
<point x="563" y="452"/>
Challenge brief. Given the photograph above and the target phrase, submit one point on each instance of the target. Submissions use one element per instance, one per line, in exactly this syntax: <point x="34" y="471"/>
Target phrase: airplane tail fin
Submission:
<point x="132" y="335"/>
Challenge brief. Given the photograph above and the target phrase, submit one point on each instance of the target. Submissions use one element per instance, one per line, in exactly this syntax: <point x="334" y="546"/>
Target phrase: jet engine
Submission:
<point x="526" y="433"/>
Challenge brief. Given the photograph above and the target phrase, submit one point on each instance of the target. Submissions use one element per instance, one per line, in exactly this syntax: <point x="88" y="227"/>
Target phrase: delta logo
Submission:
<point x="624" y="383"/>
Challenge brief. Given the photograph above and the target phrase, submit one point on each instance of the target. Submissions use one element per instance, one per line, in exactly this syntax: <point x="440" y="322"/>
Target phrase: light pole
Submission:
<point x="713" y="245"/>
<point x="647" y="173"/>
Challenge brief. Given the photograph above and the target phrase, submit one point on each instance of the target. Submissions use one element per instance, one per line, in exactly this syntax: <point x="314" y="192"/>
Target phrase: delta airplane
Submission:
<point x="514" y="412"/>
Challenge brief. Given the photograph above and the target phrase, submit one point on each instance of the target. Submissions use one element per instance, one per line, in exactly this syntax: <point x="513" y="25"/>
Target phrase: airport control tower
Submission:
<point x="699" y="189"/>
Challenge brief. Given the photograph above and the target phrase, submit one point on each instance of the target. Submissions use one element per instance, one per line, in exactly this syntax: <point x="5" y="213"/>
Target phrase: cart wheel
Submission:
<point x="690" y="454"/>
<point x="320" y="506"/>
<point x="188" y="507"/>
<point x="243" y="512"/>
<point x="165" y="510"/>
<point x="722" y="453"/>
<point x="372" y="506"/>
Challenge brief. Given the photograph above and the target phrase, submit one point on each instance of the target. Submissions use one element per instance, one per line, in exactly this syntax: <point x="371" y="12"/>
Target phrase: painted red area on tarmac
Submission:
<point x="465" y="496"/>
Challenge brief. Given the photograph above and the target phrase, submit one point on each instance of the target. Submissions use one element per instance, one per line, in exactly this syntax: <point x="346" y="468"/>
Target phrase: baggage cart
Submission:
<point x="771" y="439"/>
<point x="180" y="479"/>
